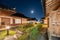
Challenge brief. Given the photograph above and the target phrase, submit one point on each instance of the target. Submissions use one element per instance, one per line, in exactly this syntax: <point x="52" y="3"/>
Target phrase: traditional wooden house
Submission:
<point x="52" y="17"/>
<point x="20" y="18"/>
<point x="5" y="18"/>
<point x="11" y="17"/>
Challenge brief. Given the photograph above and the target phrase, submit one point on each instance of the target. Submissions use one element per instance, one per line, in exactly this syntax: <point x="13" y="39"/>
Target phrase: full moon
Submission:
<point x="32" y="11"/>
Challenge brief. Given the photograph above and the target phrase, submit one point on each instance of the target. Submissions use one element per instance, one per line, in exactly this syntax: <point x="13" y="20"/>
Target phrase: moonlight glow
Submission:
<point x="32" y="11"/>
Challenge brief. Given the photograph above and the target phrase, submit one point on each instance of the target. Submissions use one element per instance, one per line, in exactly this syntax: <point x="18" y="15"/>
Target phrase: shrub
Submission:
<point x="28" y="25"/>
<point x="24" y="27"/>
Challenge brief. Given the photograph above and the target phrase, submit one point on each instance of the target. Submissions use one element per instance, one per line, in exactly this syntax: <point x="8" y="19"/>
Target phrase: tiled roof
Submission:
<point x="33" y="19"/>
<point x="23" y="16"/>
<point x="19" y="15"/>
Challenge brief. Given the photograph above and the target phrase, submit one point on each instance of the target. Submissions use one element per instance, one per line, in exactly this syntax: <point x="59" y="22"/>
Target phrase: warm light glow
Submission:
<point x="7" y="27"/>
<point x="45" y="26"/>
<point x="35" y="25"/>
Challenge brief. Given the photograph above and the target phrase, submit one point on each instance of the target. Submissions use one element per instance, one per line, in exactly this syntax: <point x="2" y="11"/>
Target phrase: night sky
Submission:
<point x="30" y="8"/>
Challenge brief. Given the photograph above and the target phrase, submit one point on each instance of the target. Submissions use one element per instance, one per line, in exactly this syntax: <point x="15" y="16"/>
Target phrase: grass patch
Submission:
<point x="23" y="37"/>
<point x="32" y="31"/>
<point x="3" y="34"/>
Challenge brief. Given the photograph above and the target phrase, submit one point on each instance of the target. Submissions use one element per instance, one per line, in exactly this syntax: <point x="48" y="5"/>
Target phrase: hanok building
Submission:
<point x="5" y="18"/>
<point x="11" y="17"/>
<point x="42" y="20"/>
<point x="20" y="18"/>
<point x="52" y="17"/>
<point x="32" y="20"/>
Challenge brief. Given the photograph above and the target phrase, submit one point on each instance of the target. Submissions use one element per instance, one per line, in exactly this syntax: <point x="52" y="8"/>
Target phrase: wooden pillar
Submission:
<point x="21" y="20"/>
<point x="0" y="21"/>
<point x="13" y="21"/>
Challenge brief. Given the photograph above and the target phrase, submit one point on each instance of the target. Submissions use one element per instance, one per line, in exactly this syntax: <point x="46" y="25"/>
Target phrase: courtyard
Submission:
<point x="25" y="32"/>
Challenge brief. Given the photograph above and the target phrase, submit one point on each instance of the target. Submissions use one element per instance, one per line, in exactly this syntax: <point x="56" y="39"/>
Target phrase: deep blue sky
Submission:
<point x="25" y="6"/>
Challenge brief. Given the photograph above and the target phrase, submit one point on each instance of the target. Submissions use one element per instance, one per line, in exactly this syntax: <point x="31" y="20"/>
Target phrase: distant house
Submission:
<point x="42" y="20"/>
<point x="32" y="20"/>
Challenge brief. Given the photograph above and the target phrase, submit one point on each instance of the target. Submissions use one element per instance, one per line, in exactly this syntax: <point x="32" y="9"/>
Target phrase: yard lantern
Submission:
<point x="7" y="27"/>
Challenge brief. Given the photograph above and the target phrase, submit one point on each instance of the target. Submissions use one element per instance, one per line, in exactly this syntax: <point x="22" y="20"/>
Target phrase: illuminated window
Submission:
<point x="17" y="21"/>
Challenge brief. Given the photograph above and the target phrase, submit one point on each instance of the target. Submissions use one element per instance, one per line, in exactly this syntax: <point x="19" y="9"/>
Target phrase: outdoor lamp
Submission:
<point x="7" y="27"/>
